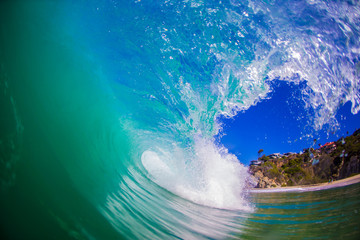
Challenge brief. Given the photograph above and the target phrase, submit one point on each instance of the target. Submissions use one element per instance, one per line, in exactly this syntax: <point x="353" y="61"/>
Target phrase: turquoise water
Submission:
<point x="110" y="116"/>
<point x="328" y="214"/>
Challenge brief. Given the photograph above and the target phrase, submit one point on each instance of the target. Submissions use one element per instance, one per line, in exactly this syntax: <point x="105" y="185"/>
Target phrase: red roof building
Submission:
<point x="328" y="147"/>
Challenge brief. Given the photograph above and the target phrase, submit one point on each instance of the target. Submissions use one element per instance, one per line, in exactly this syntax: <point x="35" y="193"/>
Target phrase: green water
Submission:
<point x="328" y="214"/>
<point x="52" y="108"/>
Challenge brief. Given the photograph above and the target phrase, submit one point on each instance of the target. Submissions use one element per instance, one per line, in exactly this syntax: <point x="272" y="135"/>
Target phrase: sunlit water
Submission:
<point x="110" y="114"/>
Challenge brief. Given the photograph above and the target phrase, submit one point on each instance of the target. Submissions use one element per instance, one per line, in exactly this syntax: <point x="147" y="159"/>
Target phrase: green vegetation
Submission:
<point x="264" y="158"/>
<point x="333" y="161"/>
<point x="271" y="170"/>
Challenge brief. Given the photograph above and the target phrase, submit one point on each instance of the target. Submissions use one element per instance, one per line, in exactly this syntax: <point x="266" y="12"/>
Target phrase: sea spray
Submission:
<point x="210" y="176"/>
<point x="231" y="78"/>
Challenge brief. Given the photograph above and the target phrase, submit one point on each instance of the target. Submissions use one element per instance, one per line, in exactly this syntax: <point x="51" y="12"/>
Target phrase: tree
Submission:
<point x="259" y="152"/>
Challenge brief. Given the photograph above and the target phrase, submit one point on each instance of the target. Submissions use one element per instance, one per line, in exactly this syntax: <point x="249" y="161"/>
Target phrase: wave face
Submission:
<point x="113" y="108"/>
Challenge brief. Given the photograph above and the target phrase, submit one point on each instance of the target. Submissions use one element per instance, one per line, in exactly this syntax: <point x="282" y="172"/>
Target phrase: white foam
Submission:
<point x="156" y="166"/>
<point x="213" y="177"/>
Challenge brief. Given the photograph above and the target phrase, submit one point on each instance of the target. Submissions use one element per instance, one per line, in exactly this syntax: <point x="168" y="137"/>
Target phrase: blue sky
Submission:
<point x="279" y="124"/>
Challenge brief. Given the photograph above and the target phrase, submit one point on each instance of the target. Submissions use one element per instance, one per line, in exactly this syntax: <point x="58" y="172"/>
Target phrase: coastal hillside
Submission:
<point x="331" y="161"/>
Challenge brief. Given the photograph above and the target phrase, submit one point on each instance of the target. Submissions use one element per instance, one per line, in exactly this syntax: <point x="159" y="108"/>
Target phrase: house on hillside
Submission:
<point x="288" y="154"/>
<point x="328" y="147"/>
<point x="255" y="163"/>
<point x="275" y="156"/>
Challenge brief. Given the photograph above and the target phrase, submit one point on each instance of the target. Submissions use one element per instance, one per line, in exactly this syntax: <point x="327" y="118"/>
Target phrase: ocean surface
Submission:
<point x="111" y="116"/>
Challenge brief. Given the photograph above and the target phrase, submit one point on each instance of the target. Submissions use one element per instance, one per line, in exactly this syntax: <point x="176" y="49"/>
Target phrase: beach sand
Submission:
<point x="308" y="188"/>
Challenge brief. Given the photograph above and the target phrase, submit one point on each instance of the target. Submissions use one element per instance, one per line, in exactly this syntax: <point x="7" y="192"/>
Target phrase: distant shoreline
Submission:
<point x="309" y="188"/>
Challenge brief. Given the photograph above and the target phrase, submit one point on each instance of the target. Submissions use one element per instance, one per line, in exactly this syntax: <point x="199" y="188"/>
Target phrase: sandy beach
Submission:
<point x="308" y="188"/>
